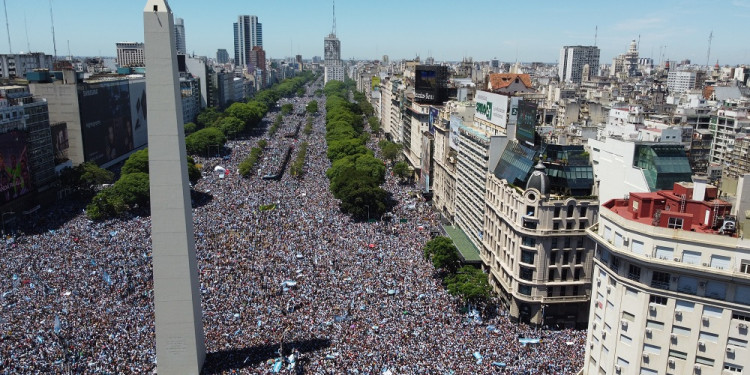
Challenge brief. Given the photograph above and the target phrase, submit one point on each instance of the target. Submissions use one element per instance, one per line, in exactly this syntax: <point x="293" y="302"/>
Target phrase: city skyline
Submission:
<point x="525" y="32"/>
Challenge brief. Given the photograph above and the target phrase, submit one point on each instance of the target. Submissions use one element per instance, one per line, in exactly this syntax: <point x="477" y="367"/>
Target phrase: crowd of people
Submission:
<point x="283" y="272"/>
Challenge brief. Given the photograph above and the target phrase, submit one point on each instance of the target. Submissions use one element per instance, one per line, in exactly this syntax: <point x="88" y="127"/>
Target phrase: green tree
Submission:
<point x="391" y="151"/>
<point x="92" y="176"/>
<point x="340" y="149"/>
<point x="471" y="284"/>
<point x="137" y="162"/>
<point x="243" y="112"/>
<point x="208" y="116"/>
<point x="190" y="127"/>
<point x="287" y="108"/>
<point x="194" y="173"/>
<point x="199" y="142"/>
<point x="374" y="124"/>
<point x="443" y="254"/>
<point x="312" y="107"/>
<point x="230" y="125"/>
<point x="401" y="170"/>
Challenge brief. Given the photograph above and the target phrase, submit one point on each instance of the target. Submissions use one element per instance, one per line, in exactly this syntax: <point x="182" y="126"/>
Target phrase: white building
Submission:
<point x="334" y="67"/>
<point x="670" y="294"/>
<point x="18" y="64"/>
<point x="680" y="81"/>
<point x="130" y="54"/>
<point x="573" y="59"/>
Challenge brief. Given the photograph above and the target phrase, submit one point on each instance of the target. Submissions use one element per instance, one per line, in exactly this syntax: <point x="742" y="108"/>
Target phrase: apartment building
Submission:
<point x="671" y="290"/>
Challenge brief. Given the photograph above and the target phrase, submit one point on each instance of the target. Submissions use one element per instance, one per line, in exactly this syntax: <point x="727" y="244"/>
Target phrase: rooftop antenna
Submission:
<point x="708" y="54"/>
<point x="26" y="26"/>
<point x="70" y="55"/>
<point x="52" y="18"/>
<point x="333" y="31"/>
<point x="7" y="27"/>
<point x="596" y="33"/>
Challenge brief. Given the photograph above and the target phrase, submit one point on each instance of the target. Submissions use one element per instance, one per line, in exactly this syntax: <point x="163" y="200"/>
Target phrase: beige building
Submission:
<point x="536" y="249"/>
<point x="671" y="291"/>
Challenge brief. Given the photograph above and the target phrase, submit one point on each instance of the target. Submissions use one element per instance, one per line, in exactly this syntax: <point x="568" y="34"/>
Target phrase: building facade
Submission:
<point x="680" y="81"/>
<point x="17" y="65"/>
<point x="334" y="67"/>
<point x="725" y="126"/>
<point x="671" y="291"/>
<point x="179" y="36"/>
<point x="222" y="56"/>
<point x="248" y="33"/>
<point x="573" y="59"/>
<point x="130" y="54"/>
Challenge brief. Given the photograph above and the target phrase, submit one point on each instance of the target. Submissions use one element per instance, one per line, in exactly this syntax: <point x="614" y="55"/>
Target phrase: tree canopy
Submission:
<point x="443" y="254"/>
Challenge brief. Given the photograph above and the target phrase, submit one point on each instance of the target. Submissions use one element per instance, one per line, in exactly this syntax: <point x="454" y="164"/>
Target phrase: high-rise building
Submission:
<point x="222" y="56"/>
<point x="179" y="36"/>
<point x="680" y="81"/>
<point x="17" y="65"/>
<point x="130" y="54"/>
<point x="573" y="59"/>
<point x="248" y="33"/>
<point x="334" y="67"/>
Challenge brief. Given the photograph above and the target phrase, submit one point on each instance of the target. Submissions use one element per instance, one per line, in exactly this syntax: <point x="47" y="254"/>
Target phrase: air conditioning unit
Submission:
<point x="730" y="349"/>
<point x="697" y="369"/>
<point x="598" y="281"/>
<point x="604" y="334"/>
<point x="671" y="362"/>
<point x="701" y="344"/>
<point x="705" y="320"/>
<point x="645" y="356"/>
<point x="624" y="323"/>
<point x="652" y="307"/>
<point x="649" y="331"/>
<point x="676" y="259"/>
<point x="705" y="264"/>
<point x="673" y="337"/>
<point x="625" y="239"/>
<point x="742" y="326"/>
<point x="609" y="289"/>
<point x="593" y="326"/>
<point x="618" y="369"/>
<point x="678" y="314"/>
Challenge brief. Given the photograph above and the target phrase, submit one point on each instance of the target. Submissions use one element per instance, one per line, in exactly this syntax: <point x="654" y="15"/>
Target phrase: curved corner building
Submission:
<point x="671" y="286"/>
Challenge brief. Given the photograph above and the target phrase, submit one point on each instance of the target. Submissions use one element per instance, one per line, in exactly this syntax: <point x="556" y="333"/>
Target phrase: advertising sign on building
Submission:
<point x="492" y="108"/>
<point x="60" y="142"/>
<point x="138" y="113"/>
<point x="15" y="174"/>
<point x="525" y="130"/>
<point x="434" y="117"/>
<point x="513" y="114"/>
<point x="424" y="176"/>
<point x="454" y="138"/>
<point x="430" y="83"/>
<point x="105" y="120"/>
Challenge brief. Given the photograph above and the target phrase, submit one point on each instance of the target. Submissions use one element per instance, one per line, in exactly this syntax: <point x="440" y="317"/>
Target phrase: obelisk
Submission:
<point x="180" y="347"/>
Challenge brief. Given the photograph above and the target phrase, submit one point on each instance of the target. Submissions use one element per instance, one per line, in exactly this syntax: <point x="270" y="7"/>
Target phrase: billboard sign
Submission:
<point x="492" y="108"/>
<point x="105" y="120"/>
<point x="424" y="177"/>
<point x="453" y="139"/>
<point x="513" y="113"/>
<point x="138" y="114"/>
<point x="60" y="142"/>
<point x="429" y="83"/>
<point x="434" y="117"/>
<point x="15" y="174"/>
<point x="525" y="129"/>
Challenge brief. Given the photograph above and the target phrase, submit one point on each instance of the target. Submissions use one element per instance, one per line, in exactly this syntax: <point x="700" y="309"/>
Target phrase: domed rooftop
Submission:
<point x="539" y="180"/>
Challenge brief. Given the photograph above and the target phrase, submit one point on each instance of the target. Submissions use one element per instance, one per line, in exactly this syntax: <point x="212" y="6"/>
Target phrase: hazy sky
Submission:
<point x="528" y="30"/>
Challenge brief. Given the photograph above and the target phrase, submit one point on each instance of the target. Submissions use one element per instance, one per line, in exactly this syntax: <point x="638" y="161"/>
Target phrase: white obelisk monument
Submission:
<point x="180" y="347"/>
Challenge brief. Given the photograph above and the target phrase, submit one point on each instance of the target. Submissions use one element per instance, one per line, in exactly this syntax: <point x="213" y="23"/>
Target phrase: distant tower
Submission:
<point x="248" y="33"/>
<point x="180" y="346"/>
<point x="222" y="56"/>
<point x="572" y="60"/>
<point x="334" y="68"/>
<point x="179" y="35"/>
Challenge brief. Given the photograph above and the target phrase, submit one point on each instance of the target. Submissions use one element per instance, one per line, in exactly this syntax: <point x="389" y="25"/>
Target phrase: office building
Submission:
<point x="726" y="125"/>
<point x="334" y="67"/>
<point x="130" y="54"/>
<point x="671" y="290"/>
<point x="16" y="65"/>
<point x="248" y="33"/>
<point x="222" y="56"/>
<point x="572" y="61"/>
<point x="680" y="81"/>
<point x="179" y="36"/>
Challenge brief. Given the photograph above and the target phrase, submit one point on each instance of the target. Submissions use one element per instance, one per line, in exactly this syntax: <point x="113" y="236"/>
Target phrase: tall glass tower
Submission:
<point x="248" y="33"/>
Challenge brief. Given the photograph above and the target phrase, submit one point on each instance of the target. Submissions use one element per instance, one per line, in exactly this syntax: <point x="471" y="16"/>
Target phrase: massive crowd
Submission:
<point x="344" y="297"/>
